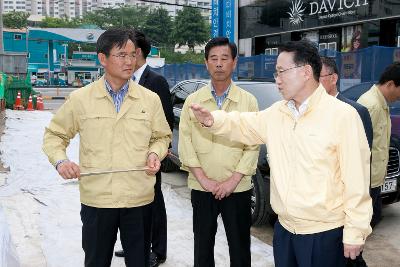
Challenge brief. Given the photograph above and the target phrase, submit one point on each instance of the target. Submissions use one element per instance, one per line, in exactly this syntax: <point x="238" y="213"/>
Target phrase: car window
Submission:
<point x="181" y="91"/>
<point x="266" y="93"/>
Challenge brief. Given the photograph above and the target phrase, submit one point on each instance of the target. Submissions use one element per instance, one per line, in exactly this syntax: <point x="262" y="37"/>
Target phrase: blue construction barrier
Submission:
<point x="364" y="65"/>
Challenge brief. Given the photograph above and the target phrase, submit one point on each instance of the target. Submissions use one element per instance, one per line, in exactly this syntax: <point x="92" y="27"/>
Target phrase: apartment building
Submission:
<point x="173" y="6"/>
<point x="76" y="8"/>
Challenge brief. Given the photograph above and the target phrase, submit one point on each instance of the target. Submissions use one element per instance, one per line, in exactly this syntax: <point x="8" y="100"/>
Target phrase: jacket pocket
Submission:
<point x="202" y="140"/>
<point x="137" y="131"/>
<point x="95" y="135"/>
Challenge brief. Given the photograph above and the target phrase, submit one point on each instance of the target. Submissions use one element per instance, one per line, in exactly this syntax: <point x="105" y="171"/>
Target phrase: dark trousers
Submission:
<point x="99" y="233"/>
<point x="312" y="250"/>
<point x="376" y="205"/>
<point x="159" y="228"/>
<point x="235" y="211"/>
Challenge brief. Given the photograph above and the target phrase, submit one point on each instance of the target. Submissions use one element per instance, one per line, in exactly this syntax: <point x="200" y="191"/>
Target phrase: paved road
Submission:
<point x="50" y="93"/>
<point x="382" y="247"/>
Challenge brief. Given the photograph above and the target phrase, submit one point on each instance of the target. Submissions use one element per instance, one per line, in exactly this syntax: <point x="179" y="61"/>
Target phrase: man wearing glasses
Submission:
<point x="319" y="182"/>
<point x="121" y="126"/>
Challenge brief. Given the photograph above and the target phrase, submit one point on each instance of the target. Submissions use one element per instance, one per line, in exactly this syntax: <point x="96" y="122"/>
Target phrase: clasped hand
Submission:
<point x="220" y="189"/>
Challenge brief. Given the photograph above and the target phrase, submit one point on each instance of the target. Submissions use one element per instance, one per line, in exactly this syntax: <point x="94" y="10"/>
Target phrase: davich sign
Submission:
<point x="323" y="9"/>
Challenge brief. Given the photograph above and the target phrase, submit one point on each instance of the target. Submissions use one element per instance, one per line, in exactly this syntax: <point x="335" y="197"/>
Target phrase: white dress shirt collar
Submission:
<point x="139" y="72"/>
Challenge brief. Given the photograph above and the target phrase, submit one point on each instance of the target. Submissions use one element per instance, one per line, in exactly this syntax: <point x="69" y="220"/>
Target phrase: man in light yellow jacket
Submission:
<point x="219" y="170"/>
<point x="376" y="101"/>
<point x="319" y="182"/>
<point x="121" y="126"/>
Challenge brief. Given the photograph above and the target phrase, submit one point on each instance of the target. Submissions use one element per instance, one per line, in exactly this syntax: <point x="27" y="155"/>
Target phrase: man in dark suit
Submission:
<point x="158" y="84"/>
<point x="328" y="78"/>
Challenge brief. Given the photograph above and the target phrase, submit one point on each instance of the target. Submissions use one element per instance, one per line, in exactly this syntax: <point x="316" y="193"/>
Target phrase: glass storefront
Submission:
<point x="341" y="25"/>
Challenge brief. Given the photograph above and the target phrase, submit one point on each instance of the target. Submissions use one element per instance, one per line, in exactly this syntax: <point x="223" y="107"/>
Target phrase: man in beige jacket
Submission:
<point x="376" y="101"/>
<point x="219" y="170"/>
<point x="121" y="126"/>
<point x="319" y="182"/>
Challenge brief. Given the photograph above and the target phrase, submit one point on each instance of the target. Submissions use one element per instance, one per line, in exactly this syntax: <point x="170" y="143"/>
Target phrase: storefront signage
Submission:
<point x="215" y="18"/>
<point x="328" y="36"/>
<point x="223" y="19"/>
<point x="325" y="9"/>
<point x="276" y="16"/>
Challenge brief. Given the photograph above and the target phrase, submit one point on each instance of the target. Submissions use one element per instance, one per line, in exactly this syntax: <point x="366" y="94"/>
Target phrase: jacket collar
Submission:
<point x="101" y="90"/>
<point x="313" y="101"/>
<point x="381" y="99"/>
<point x="205" y="93"/>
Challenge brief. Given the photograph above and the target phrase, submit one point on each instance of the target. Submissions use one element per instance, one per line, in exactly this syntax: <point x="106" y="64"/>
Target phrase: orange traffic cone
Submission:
<point x="18" y="104"/>
<point x="30" y="104"/>
<point x="39" y="103"/>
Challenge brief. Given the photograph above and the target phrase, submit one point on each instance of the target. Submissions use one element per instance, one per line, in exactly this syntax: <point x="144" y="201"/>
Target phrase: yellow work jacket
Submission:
<point x="111" y="141"/>
<point x="320" y="163"/>
<point x="218" y="157"/>
<point x="378" y="110"/>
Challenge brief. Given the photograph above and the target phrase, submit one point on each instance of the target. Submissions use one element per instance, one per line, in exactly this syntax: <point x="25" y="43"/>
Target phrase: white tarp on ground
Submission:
<point x="8" y="255"/>
<point x="42" y="210"/>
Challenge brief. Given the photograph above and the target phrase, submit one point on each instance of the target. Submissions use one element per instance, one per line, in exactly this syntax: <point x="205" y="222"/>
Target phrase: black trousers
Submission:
<point x="99" y="233"/>
<point x="159" y="228"/>
<point x="376" y="205"/>
<point x="312" y="250"/>
<point x="235" y="211"/>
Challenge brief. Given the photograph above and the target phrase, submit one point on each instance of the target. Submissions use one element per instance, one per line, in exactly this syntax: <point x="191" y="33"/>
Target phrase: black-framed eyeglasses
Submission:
<point x="329" y="74"/>
<point x="278" y="73"/>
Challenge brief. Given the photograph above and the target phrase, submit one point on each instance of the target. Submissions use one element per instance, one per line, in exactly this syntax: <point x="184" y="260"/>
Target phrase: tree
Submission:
<point x="64" y="22"/>
<point x="125" y="16"/>
<point x="191" y="28"/>
<point x="16" y="20"/>
<point x="158" y="27"/>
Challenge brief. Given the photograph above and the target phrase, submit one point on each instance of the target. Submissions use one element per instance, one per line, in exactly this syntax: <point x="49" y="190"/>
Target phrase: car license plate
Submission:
<point x="389" y="186"/>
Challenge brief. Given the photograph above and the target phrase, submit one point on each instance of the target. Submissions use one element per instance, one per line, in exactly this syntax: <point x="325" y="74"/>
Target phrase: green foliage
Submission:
<point x="191" y="28"/>
<point x="173" y="57"/>
<point x="158" y="27"/>
<point x="15" y="19"/>
<point x="84" y="47"/>
<point x="126" y="16"/>
<point x="49" y="22"/>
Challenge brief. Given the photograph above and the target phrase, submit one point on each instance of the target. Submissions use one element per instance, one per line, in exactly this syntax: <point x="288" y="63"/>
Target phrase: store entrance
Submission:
<point x="388" y="33"/>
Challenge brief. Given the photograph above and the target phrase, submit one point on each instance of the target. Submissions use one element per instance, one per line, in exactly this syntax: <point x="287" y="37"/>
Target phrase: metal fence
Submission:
<point x="364" y="65"/>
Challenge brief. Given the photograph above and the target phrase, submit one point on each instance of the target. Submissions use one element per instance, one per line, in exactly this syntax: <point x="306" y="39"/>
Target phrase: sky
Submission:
<point x="39" y="211"/>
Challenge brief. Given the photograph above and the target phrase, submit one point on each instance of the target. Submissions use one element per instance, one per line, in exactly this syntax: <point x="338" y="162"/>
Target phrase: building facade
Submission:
<point x="77" y="8"/>
<point x="340" y="25"/>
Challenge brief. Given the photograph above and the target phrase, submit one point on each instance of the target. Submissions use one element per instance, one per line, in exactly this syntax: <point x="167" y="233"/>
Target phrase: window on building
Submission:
<point x="17" y="36"/>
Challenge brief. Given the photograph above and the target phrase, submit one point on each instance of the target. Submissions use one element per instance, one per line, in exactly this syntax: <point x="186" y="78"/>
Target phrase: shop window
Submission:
<point x="17" y="36"/>
<point x="322" y="46"/>
<point x="329" y="46"/>
<point x="271" y="51"/>
<point x="332" y="46"/>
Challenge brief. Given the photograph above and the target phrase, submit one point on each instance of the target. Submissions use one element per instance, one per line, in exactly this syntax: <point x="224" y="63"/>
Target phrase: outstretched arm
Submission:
<point x="202" y="115"/>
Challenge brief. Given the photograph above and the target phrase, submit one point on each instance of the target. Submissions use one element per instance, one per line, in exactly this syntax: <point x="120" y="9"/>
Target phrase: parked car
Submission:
<point x="390" y="191"/>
